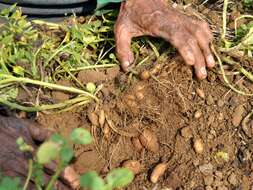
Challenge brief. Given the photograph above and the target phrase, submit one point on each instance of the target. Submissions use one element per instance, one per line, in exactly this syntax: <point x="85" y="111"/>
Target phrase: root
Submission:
<point x="120" y="132"/>
<point x="94" y="134"/>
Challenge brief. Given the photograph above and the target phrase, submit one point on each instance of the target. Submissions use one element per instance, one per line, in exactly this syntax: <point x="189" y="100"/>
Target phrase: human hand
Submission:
<point x="153" y="17"/>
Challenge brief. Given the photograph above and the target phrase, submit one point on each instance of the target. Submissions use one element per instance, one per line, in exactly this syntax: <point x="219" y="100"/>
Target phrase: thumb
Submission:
<point x="123" y="46"/>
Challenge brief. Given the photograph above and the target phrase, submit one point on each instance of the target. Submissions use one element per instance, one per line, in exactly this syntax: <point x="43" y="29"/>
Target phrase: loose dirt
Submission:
<point x="166" y="104"/>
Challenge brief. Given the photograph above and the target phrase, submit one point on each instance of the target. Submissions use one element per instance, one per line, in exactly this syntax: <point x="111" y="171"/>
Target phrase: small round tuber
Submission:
<point x="158" y="172"/>
<point x="93" y="118"/>
<point x="139" y="95"/>
<point x="149" y="140"/>
<point x="155" y="69"/>
<point x="139" y="87"/>
<point x="106" y="131"/>
<point x="198" y="146"/>
<point x="133" y="165"/>
<point x="101" y="117"/>
<point x="145" y="75"/>
<point x="137" y="144"/>
<point x="200" y="93"/>
<point x="197" y="114"/>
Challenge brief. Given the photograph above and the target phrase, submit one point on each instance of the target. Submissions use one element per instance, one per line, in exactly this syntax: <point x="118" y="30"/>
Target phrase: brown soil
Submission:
<point x="167" y="104"/>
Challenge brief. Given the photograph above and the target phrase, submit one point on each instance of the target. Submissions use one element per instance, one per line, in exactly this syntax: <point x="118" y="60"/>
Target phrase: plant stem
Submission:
<point x="86" y="68"/>
<point x="224" y="16"/>
<point x="224" y="74"/>
<point x="10" y="78"/>
<point x="71" y="102"/>
<point x="58" y="50"/>
<point x="241" y="69"/>
<point x="30" y="169"/>
<point x="70" y="74"/>
<point x="55" y="176"/>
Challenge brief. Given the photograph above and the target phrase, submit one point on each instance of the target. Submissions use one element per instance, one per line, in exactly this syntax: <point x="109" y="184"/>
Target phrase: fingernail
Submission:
<point x="203" y="72"/>
<point x="210" y="60"/>
<point x="125" y="65"/>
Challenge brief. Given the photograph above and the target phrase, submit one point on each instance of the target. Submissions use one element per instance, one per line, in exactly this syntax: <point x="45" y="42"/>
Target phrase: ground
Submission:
<point x="168" y="108"/>
<point x="198" y="129"/>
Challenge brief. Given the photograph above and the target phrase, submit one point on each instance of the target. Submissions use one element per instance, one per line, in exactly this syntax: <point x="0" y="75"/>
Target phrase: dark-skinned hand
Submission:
<point x="154" y="18"/>
<point x="14" y="163"/>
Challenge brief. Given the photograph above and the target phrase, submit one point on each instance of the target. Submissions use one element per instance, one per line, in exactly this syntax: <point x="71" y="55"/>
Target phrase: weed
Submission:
<point x="39" y="54"/>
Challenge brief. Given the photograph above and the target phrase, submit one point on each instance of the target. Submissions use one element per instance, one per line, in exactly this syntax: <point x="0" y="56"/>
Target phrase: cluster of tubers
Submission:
<point x="147" y="140"/>
<point x="100" y="120"/>
<point x="145" y="75"/>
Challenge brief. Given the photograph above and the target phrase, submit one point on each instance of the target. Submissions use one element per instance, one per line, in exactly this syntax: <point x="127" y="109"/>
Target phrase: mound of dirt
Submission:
<point x="182" y="114"/>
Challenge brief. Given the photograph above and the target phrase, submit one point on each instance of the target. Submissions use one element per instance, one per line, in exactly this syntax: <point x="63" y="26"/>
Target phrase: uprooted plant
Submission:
<point x="35" y="55"/>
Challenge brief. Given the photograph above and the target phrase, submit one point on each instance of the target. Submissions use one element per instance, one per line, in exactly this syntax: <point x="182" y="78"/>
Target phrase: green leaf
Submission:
<point x="81" y="136"/>
<point x="119" y="178"/>
<point x="58" y="139"/>
<point x="20" y="141"/>
<point x="91" y="87"/>
<point x="92" y="181"/>
<point x="9" y="93"/>
<point x="47" y="152"/>
<point x="38" y="174"/>
<point x="66" y="154"/>
<point x="19" y="70"/>
<point x="8" y="183"/>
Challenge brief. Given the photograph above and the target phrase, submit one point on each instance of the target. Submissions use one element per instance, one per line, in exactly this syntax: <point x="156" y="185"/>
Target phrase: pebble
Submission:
<point x="206" y="169"/>
<point x="238" y="115"/>
<point x="213" y="132"/>
<point x="218" y="174"/>
<point x="208" y="180"/>
<point x="217" y="183"/>
<point x="223" y="187"/>
<point x="209" y="100"/>
<point x="200" y="93"/>
<point x="220" y="116"/>
<point x="210" y="137"/>
<point x="186" y="132"/>
<point x="197" y="114"/>
<point x="209" y="188"/>
<point x="210" y="120"/>
<point x="232" y="179"/>
<point x="198" y="146"/>
<point x="220" y="103"/>
<point x="195" y="162"/>
<point x="211" y="77"/>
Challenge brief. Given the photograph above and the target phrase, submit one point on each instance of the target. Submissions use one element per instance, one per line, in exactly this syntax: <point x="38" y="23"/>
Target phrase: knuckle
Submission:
<point x="192" y="41"/>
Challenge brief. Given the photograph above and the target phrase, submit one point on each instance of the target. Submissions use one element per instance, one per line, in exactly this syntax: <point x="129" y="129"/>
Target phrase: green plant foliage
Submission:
<point x="38" y="174"/>
<point x="42" y="53"/>
<point x="7" y="183"/>
<point x="23" y="146"/>
<point x="81" y="136"/>
<point x="119" y="178"/>
<point x="58" y="139"/>
<point x="248" y="3"/>
<point x="91" y="87"/>
<point x="66" y="154"/>
<point x="92" y="181"/>
<point x="47" y="152"/>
